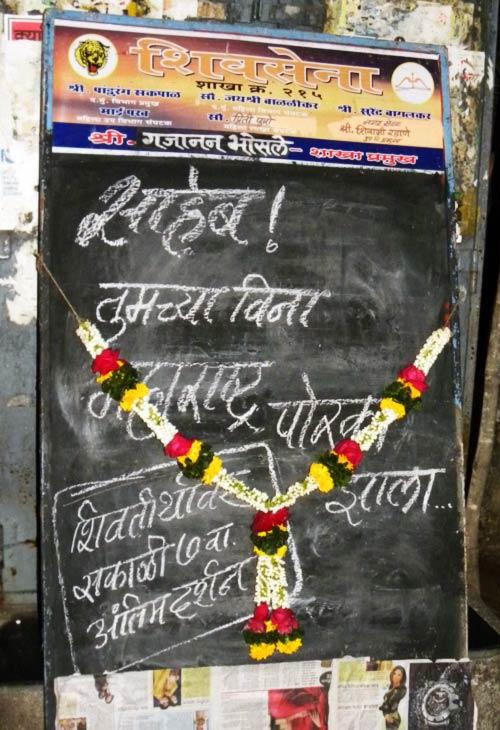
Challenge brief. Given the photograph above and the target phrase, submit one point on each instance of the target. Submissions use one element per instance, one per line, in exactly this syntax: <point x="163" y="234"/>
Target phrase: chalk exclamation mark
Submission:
<point x="272" y="246"/>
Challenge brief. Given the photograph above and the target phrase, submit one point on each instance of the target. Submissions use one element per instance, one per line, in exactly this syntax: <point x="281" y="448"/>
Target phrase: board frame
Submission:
<point x="313" y="37"/>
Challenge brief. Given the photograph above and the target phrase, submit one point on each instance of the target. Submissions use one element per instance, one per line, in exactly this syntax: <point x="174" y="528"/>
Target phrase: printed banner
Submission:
<point x="127" y="89"/>
<point x="22" y="27"/>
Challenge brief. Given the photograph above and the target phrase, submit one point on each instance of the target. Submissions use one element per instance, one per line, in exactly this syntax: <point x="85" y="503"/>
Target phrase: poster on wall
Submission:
<point x="253" y="231"/>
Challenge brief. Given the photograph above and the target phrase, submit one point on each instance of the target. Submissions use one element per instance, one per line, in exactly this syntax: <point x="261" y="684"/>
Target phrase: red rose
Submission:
<point x="414" y="376"/>
<point x="178" y="446"/>
<point x="284" y="620"/>
<point x="262" y="522"/>
<point x="261" y="611"/>
<point x="256" y="623"/>
<point x="350" y="449"/>
<point x="265" y="521"/>
<point x="253" y="624"/>
<point x="106" y="362"/>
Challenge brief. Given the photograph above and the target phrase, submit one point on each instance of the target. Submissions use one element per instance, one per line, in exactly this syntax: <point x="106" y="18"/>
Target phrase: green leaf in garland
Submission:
<point x="402" y="394"/>
<point x="340" y="474"/>
<point x="264" y="637"/>
<point x="271" y="541"/>
<point x="195" y="469"/>
<point x="123" y="379"/>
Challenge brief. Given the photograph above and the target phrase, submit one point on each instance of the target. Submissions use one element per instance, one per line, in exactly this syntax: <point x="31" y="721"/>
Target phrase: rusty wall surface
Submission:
<point x="467" y="28"/>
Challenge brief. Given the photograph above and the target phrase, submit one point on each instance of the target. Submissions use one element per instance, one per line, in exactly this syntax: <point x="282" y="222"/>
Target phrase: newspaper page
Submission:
<point x="173" y="699"/>
<point x="344" y="694"/>
<point x="370" y="695"/>
<point x="440" y="696"/>
<point x="286" y="696"/>
<point x="401" y="695"/>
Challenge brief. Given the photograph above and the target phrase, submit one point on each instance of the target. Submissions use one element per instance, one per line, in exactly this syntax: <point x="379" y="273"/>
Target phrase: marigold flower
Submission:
<point x="392" y="405"/>
<point x="130" y="396"/>
<point x="288" y="647"/>
<point x="321" y="476"/>
<point x="212" y="470"/>
<point x="260" y="651"/>
<point x="280" y="552"/>
<point x="414" y="392"/>
<point x="192" y="454"/>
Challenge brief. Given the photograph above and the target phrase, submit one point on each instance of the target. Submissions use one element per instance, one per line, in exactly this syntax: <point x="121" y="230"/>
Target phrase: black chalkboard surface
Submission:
<point x="266" y="306"/>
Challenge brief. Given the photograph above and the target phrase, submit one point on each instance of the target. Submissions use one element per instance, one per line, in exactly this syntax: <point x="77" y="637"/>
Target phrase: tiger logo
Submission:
<point x="92" y="55"/>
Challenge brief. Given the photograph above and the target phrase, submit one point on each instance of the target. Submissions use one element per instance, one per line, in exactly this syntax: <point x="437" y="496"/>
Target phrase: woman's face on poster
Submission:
<point x="397" y="677"/>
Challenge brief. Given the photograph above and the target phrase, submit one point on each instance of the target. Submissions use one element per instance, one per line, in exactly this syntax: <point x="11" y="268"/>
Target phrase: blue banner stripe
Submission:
<point x="130" y="141"/>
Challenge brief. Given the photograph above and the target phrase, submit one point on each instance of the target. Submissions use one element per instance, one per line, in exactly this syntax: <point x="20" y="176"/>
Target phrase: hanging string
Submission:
<point x="44" y="269"/>
<point x="447" y="314"/>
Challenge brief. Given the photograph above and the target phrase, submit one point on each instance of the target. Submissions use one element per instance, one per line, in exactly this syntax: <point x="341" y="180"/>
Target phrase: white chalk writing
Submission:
<point x="180" y="216"/>
<point x="148" y="304"/>
<point x="94" y="530"/>
<point x="183" y="602"/>
<point x="400" y="490"/>
<point x="194" y="387"/>
<point x="304" y="422"/>
<point x="148" y="566"/>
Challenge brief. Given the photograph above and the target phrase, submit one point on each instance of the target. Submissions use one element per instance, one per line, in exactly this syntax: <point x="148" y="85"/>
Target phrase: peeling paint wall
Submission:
<point x="21" y="305"/>
<point x="416" y="21"/>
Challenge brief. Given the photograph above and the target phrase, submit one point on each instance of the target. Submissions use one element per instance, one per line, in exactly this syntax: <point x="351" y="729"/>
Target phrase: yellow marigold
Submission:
<point x="288" y="647"/>
<point x="193" y="453"/>
<point x="280" y="552"/>
<point x="260" y="651"/>
<point x="392" y="405"/>
<point x="321" y="476"/>
<point x="102" y="378"/>
<point x="342" y="459"/>
<point x="413" y="391"/>
<point x="130" y="396"/>
<point x="212" y="470"/>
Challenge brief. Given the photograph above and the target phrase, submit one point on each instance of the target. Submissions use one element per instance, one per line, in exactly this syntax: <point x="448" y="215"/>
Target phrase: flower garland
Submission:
<point x="270" y="631"/>
<point x="273" y="626"/>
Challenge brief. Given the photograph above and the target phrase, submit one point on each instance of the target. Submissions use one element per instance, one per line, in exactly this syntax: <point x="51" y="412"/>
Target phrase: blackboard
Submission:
<point x="374" y="570"/>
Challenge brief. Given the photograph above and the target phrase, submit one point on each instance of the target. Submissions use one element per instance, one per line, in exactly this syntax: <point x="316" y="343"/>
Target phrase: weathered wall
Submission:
<point x="18" y="231"/>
